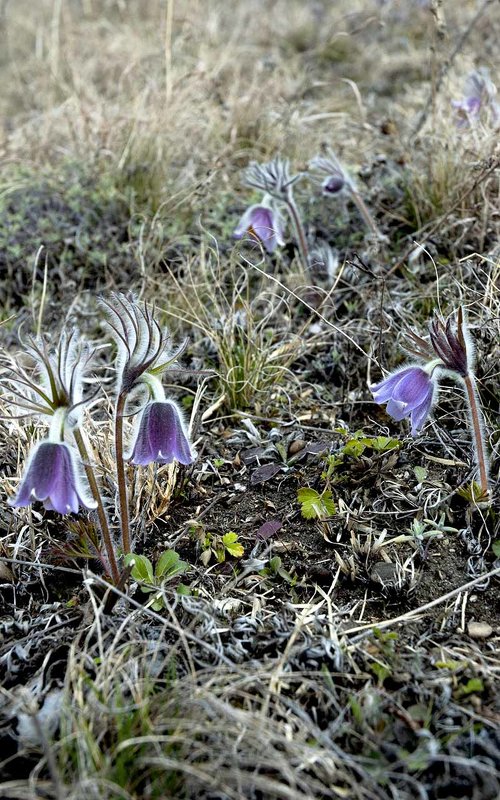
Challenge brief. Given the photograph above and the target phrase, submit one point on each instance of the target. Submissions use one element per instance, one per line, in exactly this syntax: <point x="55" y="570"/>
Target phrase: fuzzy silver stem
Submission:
<point x="477" y="430"/>
<point x="101" y="513"/>
<point x="120" y="472"/>
<point x="363" y="210"/>
<point x="299" y="229"/>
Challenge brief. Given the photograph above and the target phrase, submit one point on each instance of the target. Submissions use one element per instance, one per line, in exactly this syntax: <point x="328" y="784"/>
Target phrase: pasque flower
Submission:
<point x="276" y="181"/>
<point x="409" y="392"/>
<point x="53" y="476"/>
<point x="412" y="391"/>
<point x="480" y="92"/>
<point x="263" y="223"/>
<point x="336" y="179"/>
<point x="160" y="435"/>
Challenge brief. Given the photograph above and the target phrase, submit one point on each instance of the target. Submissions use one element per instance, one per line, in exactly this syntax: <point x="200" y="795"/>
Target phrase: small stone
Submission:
<point x="296" y="446"/>
<point x="479" y="630"/>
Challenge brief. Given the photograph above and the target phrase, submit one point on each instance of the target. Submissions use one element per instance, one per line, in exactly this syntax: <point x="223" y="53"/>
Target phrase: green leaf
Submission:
<point x="496" y="547"/>
<point x="356" y="711"/>
<point x="233" y="547"/>
<point x="473" y="493"/>
<point x="472" y="685"/>
<point x="169" y="565"/>
<point x="158" y="603"/>
<point x="275" y="564"/>
<point x="451" y="664"/>
<point x="382" y="672"/>
<point x="142" y="571"/>
<point x="382" y="444"/>
<point x="315" y="505"/>
<point x="354" y="448"/>
<point x="420" y="473"/>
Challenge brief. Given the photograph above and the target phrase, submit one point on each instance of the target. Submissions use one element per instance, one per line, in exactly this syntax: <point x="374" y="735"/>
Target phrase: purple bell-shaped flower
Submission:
<point x="53" y="476"/>
<point x="160" y="435"/>
<point x="262" y="223"/>
<point x="409" y="392"/>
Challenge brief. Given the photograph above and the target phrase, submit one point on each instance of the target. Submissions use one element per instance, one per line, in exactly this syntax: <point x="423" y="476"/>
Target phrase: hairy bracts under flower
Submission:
<point x="55" y="383"/>
<point x="409" y="392"/>
<point x="160" y="436"/>
<point x="274" y="177"/>
<point x="143" y="346"/>
<point x="52" y="475"/>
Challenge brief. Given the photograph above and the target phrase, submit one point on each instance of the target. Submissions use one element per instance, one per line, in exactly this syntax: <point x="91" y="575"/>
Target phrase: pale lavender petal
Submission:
<point x="244" y="223"/>
<point x="397" y="410"/>
<point x="161" y="436"/>
<point x="52" y="478"/>
<point x="41" y="471"/>
<point x="382" y="392"/>
<point x="420" y="414"/>
<point x="407" y="392"/>
<point x="264" y="224"/>
<point x="413" y="388"/>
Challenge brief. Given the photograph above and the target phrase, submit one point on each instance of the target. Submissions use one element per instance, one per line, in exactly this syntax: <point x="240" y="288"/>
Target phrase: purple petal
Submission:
<point x="142" y="453"/>
<point x="244" y="223"/>
<point x="413" y="388"/>
<point x="397" y="410"/>
<point x="264" y="224"/>
<point x="38" y="479"/>
<point x="333" y="184"/>
<point x="161" y="436"/>
<point x="407" y="392"/>
<point x="63" y="497"/>
<point x="420" y="414"/>
<point x="51" y="477"/>
<point x="382" y="392"/>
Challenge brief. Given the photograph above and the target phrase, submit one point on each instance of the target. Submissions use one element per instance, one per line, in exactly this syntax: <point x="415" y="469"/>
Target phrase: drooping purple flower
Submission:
<point x="330" y="171"/>
<point x="480" y="92"/>
<point x="53" y="476"/>
<point x="263" y="224"/>
<point x="409" y="392"/>
<point x="160" y="435"/>
<point x="333" y="184"/>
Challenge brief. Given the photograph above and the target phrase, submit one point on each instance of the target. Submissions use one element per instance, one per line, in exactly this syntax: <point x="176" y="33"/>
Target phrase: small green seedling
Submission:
<point x="220" y="546"/>
<point x="315" y="505"/>
<point x="168" y="566"/>
<point x="275" y="569"/>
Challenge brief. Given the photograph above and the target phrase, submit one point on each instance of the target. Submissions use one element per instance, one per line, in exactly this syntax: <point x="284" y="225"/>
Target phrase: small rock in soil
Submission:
<point x="479" y="630"/>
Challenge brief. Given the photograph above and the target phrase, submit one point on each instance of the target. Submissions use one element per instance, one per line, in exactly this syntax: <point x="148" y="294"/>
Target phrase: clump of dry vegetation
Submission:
<point x="327" y="625"/>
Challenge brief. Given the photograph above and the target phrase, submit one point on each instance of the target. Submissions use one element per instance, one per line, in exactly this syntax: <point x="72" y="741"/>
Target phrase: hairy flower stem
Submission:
<point x="478" y="431"/>
<point x="363" y="210"/>
<point x="299" y="229"/>
<point x="120" y="472"/>
<point x="101" y="513"/>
